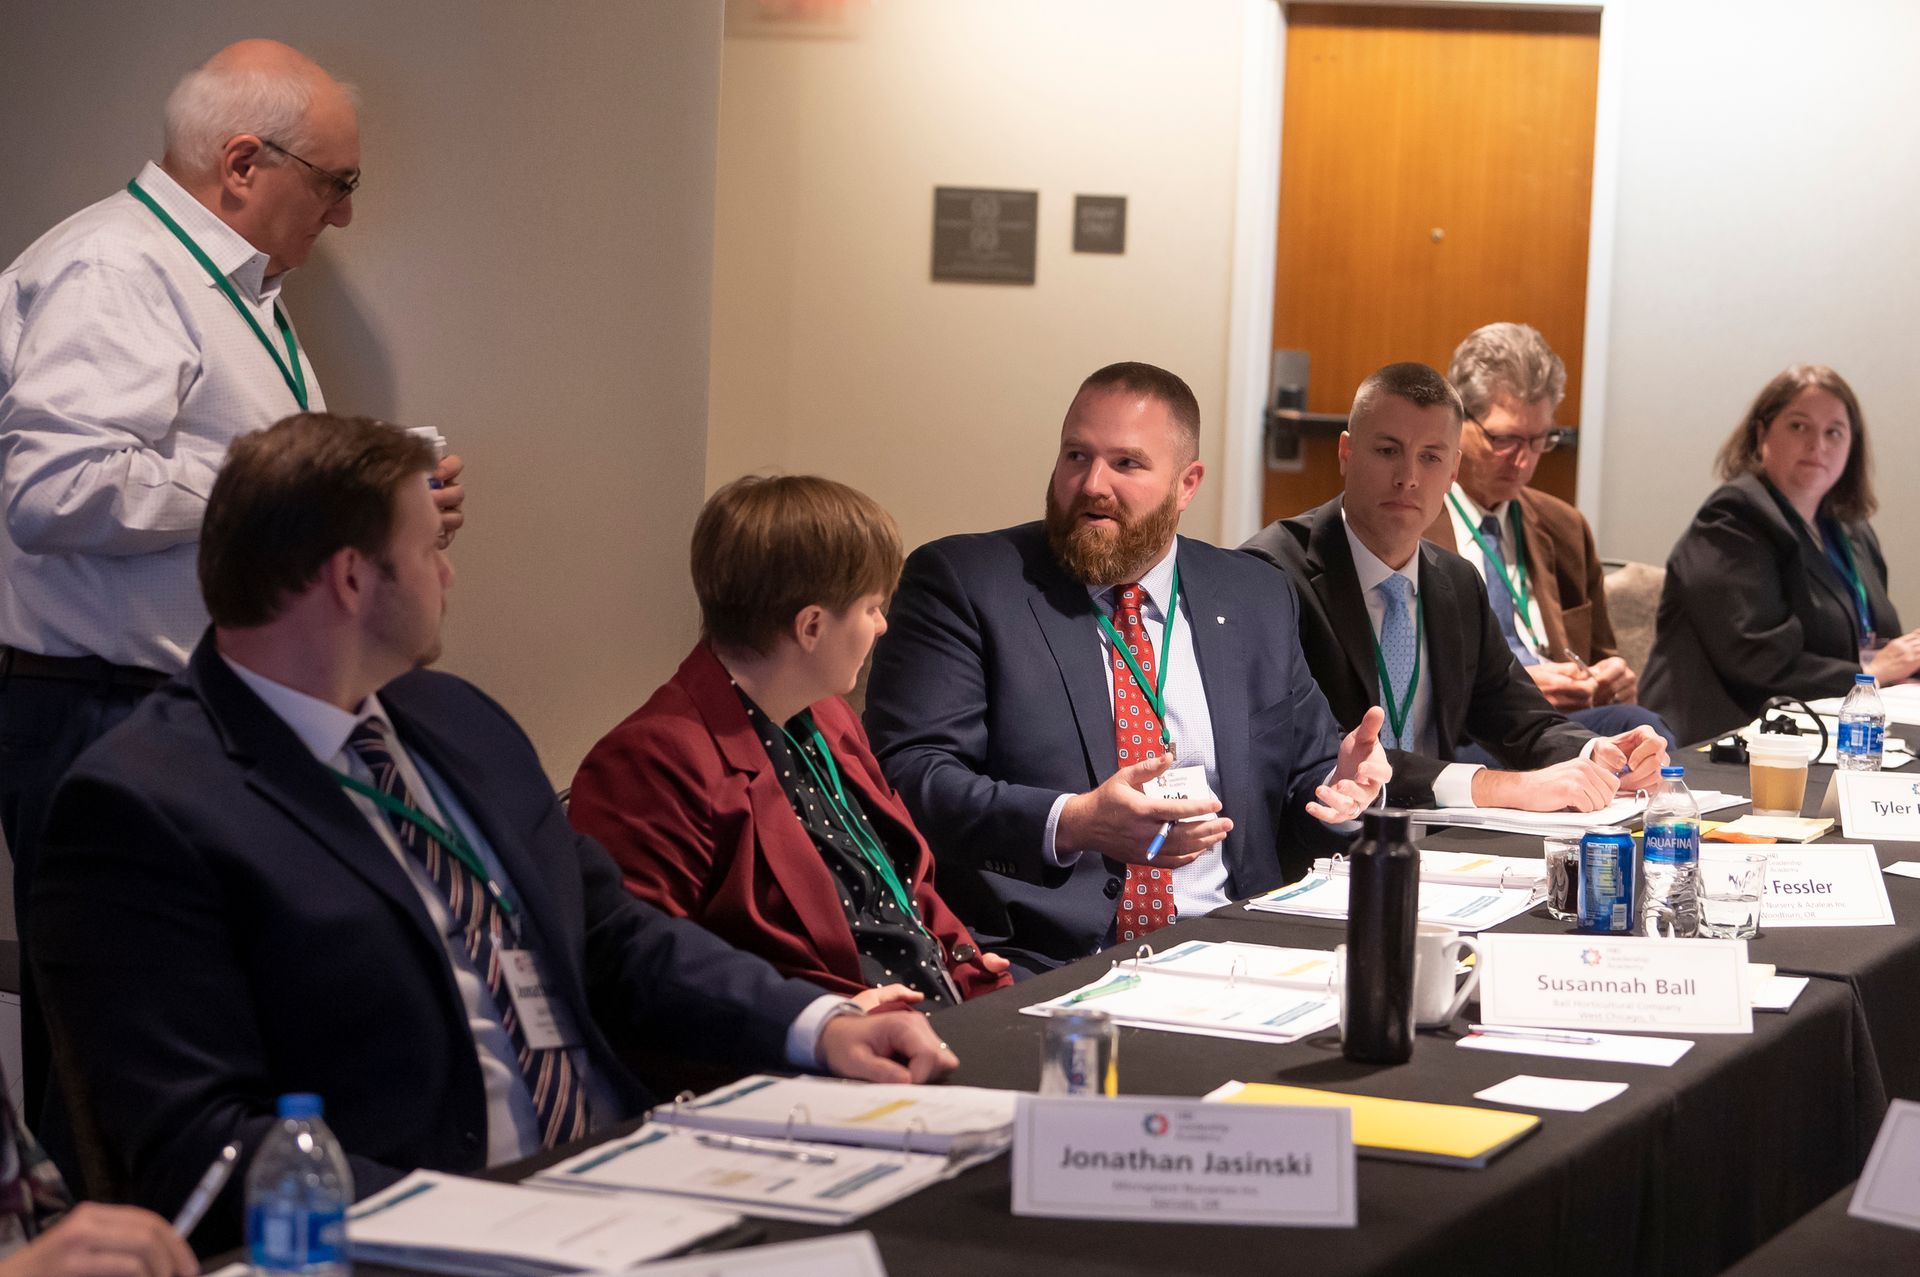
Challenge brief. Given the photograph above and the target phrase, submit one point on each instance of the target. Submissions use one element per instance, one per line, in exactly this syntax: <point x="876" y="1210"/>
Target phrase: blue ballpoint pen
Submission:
<point x="1153" y="848"/>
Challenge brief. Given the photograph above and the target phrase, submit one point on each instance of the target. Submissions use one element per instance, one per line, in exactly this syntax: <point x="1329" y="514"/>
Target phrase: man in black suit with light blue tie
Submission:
<point x="1035" y="682"/>
<point x="308" y="864"/>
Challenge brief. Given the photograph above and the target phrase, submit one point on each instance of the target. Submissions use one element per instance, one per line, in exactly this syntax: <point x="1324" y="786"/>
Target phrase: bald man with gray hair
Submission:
<point x="138" y="339"/>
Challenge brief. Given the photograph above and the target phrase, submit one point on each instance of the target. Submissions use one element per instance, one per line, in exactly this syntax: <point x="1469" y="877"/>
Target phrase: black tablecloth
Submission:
<point x="1830" y="1239"/>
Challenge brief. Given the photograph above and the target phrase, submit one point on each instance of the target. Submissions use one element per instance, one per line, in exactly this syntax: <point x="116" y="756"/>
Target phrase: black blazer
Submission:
<point x="1751" y="608"/>
<point x="215" y="923"/>
<point x="1479" y="690"/>
<point x="988" y="701"/>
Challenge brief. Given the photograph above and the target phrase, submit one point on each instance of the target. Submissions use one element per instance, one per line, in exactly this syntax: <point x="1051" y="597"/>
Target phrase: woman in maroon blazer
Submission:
<point x="744" y="795"/>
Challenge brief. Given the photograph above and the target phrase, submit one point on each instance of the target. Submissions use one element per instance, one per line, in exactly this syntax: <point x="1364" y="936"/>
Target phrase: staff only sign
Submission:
<point x="1612" y="984"/>
<point x="1148" y="1158"/>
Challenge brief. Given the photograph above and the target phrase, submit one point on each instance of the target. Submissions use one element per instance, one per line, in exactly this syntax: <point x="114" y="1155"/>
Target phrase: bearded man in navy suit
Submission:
<point x="1011" y="656"/>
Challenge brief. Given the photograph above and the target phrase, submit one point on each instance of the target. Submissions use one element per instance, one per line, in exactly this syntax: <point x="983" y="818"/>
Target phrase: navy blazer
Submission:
<point x="988" y="701"/>
<point x="1751" y="608"/>
<point x="216" y="923"/>
<point x="1480" y="692"/>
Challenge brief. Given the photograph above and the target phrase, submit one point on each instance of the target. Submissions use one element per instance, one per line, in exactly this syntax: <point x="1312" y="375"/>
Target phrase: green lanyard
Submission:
<point x="1153" y="693"/>
<point x="1400" y="709"/>
<point x="1518" y="592"/>
<point x="1853" y="579"/>
<point x="451" y="839"/>
<point x="290" y="369"/>
<point x="870" y="849"/>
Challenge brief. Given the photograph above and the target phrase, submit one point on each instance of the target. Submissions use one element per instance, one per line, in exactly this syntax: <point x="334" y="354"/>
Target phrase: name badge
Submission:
<point x="545" y="1026"/>
<point x="1880" y="805"/>
<point x="1889" y="1188"/>
<point x="1091" y="1157"/>
<point x="1179" y="784"/>
<point x="1615" y="984"/>
<point x="1827" y="886"/>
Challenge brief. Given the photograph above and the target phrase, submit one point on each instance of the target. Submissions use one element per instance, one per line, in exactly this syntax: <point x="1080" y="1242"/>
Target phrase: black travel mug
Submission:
<point x="1383" y="905"/>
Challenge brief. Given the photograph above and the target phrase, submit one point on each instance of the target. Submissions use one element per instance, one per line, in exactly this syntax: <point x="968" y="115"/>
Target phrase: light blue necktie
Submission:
<point x="1497" y="594"/>
<point x="1398" y="649"/>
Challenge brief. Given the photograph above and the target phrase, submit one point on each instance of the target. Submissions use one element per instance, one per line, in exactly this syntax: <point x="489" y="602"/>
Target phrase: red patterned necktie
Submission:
<point x="1146" y="905"/>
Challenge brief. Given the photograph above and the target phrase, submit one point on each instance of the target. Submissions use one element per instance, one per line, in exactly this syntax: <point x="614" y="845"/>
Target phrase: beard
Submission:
<point x="1113" y="554"/>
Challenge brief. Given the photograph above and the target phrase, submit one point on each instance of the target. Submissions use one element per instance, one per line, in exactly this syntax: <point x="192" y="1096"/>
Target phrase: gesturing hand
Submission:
<point x="1120" y="821"/>
<point x="1358" y="776"/>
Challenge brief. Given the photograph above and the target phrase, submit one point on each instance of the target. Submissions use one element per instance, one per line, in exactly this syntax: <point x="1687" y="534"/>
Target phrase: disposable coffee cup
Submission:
<point x="1777" y="769"/>
<point x="436" y="440"/>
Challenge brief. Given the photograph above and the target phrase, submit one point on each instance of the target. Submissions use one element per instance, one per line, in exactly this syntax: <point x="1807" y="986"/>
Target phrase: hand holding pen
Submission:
<point x="1120" y="820"/>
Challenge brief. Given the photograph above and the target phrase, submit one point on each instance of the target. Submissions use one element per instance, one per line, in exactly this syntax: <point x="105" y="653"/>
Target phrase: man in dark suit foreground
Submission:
<point x="1390" y="619"/>
<point x="309" y="865"/>
<point x="1034" y="683"/>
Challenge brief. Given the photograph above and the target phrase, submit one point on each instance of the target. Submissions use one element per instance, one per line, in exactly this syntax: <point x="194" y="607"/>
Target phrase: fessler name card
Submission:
<point x="1879" y="805"/>
<point x="1837" y="885"/>
<point x="1184" y="1160"/>
<point x="1615" y="983"/>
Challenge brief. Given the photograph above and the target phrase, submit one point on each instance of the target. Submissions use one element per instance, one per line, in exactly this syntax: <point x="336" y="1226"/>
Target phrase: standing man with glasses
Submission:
<point x="1535" y="552"/>
<point x="138" y="339"/>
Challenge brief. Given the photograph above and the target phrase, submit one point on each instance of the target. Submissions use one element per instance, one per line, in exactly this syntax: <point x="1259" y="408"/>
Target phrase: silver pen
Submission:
<point x="1534" y="1035"/>
<point x="769" y="1148"/>
<point x="206" y="1190"/>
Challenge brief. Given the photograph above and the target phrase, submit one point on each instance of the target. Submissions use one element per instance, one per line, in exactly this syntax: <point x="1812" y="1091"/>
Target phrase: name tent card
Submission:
<point x="1183" y="1160"/>
<point x="1835" y="885"/>
<point x="1626" y="984"/>
<point x="1879" y="805"/>
<point x="1889" y="1188"/>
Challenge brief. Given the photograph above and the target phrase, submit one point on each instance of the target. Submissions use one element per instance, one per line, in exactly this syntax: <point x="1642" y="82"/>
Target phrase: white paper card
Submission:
<point x="1626" y="984"/>
<point x="1777" y="992"/>
<point x="847" y="1255"/>
<point x="1179" y="784"/>
<point x="1607" y="1048"/>
<point x="1889" y="1188"/>
<point x="1831" y="885"/>
<point x="1879" y="805"/>
<point x="1179" y="1159"/>
<point x="1566" y="1095"/>
<point x="545" y="1029"/>
<point x="1905" y="868"/>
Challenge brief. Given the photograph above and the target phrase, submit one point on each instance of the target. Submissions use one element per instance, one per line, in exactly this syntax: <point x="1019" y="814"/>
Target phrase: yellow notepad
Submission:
<point x="1403" y="1130"/>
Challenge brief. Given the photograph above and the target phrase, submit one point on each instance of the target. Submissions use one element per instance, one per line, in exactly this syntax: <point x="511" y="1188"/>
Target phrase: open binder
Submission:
<point x="1253" y="992"/>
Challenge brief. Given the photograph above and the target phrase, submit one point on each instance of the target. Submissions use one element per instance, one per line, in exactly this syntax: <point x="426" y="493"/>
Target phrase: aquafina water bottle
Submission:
<point x="1671" y="864"/>
<point x="1863" y="726"/>
<point x="298" y="1191"/>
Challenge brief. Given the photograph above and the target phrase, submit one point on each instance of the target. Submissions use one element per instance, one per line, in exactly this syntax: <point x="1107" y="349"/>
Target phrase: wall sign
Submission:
<point x="984" y="236"/>
<point x="1099" y="223"/>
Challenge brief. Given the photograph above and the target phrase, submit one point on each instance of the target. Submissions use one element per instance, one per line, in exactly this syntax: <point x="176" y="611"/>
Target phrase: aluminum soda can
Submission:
<point x="1609" y="871"/>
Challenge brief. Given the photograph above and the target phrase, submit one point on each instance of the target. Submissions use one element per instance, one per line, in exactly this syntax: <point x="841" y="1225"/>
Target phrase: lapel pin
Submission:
<point x="1219" y="620"/>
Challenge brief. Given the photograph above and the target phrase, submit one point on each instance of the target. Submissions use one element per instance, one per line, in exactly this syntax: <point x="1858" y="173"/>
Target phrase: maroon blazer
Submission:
<point x="684" y="797"/>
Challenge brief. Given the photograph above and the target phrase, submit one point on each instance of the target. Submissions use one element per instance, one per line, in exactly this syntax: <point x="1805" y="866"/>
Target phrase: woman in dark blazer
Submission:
<point x="744" y="795"/>
<point x="1779" y="586"/>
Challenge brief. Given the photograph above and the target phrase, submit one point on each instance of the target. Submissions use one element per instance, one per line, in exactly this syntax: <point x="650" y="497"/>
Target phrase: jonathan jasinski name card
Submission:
<point x="1183" y="1160"/>
<point x="1615" y="984"/>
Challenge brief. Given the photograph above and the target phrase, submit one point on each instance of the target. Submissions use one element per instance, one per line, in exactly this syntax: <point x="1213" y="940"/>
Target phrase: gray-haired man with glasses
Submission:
<point x="138" y="338"/>
<point x="1535" y="552"/>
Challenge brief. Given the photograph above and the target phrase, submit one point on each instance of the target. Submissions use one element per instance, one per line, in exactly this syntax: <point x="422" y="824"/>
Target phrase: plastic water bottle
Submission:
<point x="1671" y="863"/>
<point x="1863" y="726"/>
<point x="298" y="1191"/>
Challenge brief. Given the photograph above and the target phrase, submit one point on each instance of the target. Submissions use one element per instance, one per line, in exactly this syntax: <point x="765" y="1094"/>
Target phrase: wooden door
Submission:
<point x="1436" y="175"/>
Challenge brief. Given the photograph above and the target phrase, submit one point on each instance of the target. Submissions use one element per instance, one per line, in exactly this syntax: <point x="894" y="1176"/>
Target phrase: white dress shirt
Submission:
<point x="124" y="375"/>
<point x="513" y="1129"/>
<point x="1532" y="629"/>
<point x="1202" y="885"/>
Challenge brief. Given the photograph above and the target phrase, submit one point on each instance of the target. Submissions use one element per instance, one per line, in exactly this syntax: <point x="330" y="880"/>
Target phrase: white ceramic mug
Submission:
<point x="1436" y="953"/>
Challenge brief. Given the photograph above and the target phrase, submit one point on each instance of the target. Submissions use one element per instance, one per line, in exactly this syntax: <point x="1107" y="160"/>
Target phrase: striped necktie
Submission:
<point x="559" y="1101"/>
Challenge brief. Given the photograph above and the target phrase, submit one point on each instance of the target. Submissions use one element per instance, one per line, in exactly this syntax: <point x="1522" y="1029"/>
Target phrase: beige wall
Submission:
<point x="832" y="349"/>
<point x="528" y="270"/>
<point x="1767" y="189"/>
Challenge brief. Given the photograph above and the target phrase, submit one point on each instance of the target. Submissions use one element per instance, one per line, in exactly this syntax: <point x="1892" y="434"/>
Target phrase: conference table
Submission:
<point x="1689" y="1170"/>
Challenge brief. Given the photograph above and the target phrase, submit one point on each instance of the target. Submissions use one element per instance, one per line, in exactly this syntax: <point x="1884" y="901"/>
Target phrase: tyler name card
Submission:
<point x="1879" y="805"/>
<point x="1614" y="983"/>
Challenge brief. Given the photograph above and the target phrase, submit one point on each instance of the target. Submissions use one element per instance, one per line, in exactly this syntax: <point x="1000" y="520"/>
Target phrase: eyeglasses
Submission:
<point x="1506" y="443"/>
<point x="342" y="186"/>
